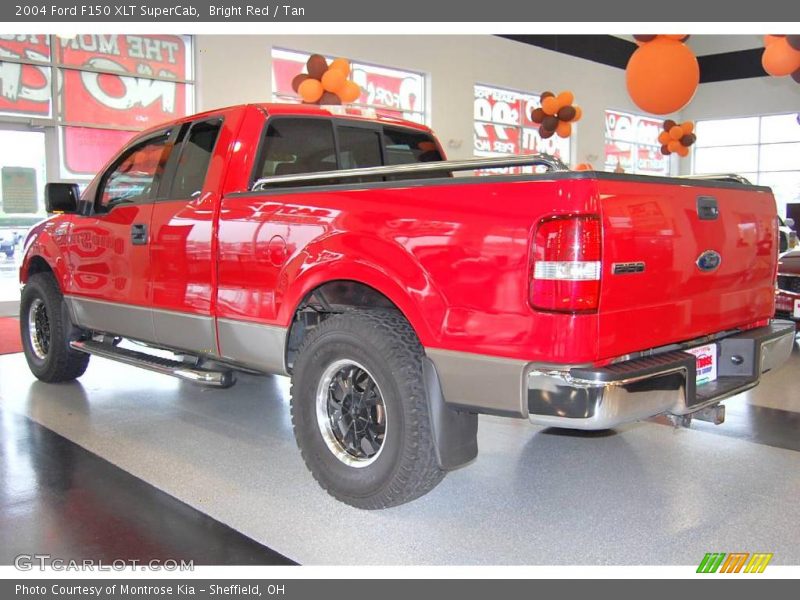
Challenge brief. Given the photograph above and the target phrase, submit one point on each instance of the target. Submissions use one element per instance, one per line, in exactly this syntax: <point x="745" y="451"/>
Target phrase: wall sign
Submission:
<point x="19" y="190"/>
<point x="391" y="92"/>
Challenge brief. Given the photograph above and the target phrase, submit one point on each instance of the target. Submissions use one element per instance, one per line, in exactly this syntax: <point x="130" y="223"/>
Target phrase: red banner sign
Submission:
<point x="391" y="92"/>
<point x="503" y="125"/>
<point x="632" y="144"/>
<point x="24" y="89"/>
<point x="124" y="100"/>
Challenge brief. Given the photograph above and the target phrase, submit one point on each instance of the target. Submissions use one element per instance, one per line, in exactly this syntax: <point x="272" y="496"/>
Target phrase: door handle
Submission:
<point x="138" y="234"/>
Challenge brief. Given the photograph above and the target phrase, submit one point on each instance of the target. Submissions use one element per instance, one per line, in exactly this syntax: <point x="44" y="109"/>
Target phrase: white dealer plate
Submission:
<point x="797" y="309"/>
<point x="706" y="363"/>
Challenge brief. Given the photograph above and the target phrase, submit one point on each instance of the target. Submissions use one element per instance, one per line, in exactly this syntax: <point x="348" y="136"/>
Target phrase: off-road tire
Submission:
<point x="61" y="362"/>
<point x="386" y="345"/>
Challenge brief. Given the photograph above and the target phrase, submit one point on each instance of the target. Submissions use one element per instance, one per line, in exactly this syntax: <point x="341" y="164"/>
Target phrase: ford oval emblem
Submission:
<point x="709" y="260"/>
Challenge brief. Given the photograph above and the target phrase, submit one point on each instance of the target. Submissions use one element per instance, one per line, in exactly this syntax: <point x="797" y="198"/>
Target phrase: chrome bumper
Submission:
<point x="600" y="398"/>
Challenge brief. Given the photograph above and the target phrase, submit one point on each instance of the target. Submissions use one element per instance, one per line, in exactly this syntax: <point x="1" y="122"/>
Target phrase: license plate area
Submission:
<point x="706" y="361"/>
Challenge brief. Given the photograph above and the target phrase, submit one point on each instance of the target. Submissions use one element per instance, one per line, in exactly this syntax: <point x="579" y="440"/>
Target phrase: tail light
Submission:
<point x="565" y="274"/>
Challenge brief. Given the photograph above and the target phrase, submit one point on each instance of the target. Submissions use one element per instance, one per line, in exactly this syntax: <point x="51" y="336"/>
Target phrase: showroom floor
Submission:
<point x="644" y="494"/>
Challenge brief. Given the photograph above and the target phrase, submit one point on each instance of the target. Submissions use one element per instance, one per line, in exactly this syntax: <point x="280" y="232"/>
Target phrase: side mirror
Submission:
<point x="61" y="197"/>
<point x="789" y="223"/>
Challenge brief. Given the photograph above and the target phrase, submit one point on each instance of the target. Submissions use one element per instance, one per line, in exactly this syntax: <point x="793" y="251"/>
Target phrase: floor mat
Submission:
<point x="9" y="336"/>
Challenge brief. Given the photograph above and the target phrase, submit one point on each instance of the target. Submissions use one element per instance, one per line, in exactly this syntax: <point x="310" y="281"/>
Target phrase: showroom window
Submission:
<point x="388" y="91"/>
<point x="764" y="149"/>
<point x="106" y="89"/>
<point x="502" y="125"/>
<point x="631" y="144"/>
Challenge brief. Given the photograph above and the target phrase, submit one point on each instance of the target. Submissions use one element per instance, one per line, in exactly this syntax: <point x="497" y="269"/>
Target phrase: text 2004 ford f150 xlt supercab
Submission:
<point x="403" y="300"/>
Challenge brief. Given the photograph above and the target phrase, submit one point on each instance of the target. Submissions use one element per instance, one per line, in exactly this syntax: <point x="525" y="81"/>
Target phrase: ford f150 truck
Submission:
<point x="402" y="297"/>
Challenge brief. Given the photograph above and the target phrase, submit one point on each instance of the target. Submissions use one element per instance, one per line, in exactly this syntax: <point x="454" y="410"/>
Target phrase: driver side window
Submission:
<point x="133" y="177"/>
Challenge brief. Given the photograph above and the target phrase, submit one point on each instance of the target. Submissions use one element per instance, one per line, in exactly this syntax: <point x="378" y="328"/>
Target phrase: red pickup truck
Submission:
<point x="402" y="299"/>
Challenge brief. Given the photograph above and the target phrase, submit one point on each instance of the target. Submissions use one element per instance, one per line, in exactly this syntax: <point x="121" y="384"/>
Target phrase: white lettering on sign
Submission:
<point x="138" y="91"/>
<point x="12" y="85"/>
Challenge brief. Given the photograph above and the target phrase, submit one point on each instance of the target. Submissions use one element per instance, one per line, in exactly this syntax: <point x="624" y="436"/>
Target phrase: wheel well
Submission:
<point x="330" y="299"/>
<point x="37" y="265"/>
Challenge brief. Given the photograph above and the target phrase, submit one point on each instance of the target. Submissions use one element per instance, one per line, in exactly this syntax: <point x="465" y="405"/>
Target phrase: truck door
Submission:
<point x="109" y="250"/>
<point x="182" y="273"/>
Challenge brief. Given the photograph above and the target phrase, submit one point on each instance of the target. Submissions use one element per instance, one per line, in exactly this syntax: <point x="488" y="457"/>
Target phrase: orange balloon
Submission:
<point x="673" y="145"/>
<point x="310" y="90"/>
<point x="688" y="127"/>
<point x="333" y="80"/>
<point x="565" y="99"/>
<point x="341" y="64"/>
<point x="769" y="39"/>
<point x="564" y="129"/>
<point x="682" y="151"/>
<point x="578" y="114"/>
<point x="676" y="132"/>
<point x="674" y="36"/>
<point x="585" y="167"/>
<point x="550" y="105"/>
<point x="663" y="138"/>
<point x="780" y="58"/>
<point x="662" y="76"/>
<point x="350" y="92"/>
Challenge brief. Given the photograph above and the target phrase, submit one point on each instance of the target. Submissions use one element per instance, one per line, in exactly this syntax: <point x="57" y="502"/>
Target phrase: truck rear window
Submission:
<point x="295" y="146"/>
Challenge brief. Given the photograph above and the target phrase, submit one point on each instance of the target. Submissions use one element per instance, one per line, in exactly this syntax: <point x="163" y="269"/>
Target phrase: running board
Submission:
<point x="165" y="366"/>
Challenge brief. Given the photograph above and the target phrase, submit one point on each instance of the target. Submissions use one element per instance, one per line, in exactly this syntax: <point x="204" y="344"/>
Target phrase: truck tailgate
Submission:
<point x="653" y="290"/>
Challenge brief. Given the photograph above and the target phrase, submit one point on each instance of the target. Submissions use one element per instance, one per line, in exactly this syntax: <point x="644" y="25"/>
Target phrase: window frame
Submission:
<point x="759" y="173"/>
<point x="336" y="123"/>
<point x="158" y="176"/>
<point x="520" y="127"/>
<point x="636" y="144"/>
<point x="758" y="144"/>
<point x="293" y="98"/>
<point x="177" y="150"/>
<point x="56" y="125"/>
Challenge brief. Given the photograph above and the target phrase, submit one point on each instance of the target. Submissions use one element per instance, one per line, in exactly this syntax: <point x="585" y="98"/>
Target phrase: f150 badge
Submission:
<point x="709" y="260"/>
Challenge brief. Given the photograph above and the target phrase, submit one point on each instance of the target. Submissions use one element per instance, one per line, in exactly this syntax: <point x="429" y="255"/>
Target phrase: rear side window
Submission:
<point x="134" y="176"/>
<point x="359" y="147"/>
<point x="404" y="146"/>
<point x="195" y="156"/>
<point x="293" y="146"/>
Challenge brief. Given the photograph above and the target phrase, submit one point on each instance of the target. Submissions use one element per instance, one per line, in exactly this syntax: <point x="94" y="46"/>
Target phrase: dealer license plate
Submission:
<point x="706" y="363"/>
<point x="797" y="309"/>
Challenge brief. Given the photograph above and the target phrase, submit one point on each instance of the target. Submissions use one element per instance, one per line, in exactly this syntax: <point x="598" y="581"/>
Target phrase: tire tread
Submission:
<point x="389" y="332"/>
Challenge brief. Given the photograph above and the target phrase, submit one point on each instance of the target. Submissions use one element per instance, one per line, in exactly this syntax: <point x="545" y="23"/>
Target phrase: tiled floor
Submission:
<point x="644" y="494"/>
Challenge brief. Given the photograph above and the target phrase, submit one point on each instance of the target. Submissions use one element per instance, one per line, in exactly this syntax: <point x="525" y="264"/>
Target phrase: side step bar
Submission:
<point x="165" y="366"/>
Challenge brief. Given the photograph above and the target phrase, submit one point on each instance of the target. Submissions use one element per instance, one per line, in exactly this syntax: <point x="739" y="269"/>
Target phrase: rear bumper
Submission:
<point x="600" y="398"/>
<point x="586" y="398"/>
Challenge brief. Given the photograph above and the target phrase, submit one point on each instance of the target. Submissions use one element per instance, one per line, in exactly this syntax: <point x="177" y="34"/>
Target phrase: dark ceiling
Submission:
<point x="615" y="52"/>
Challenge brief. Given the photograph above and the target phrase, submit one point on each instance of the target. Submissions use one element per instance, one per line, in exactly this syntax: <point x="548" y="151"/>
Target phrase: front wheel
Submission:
<point x="46" y="332"/>
<point x="360" y="411"/>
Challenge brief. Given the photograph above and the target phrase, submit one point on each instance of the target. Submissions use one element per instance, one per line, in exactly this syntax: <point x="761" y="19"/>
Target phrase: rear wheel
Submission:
<point x="46" y="332"/>
<point x="360" y="412"/>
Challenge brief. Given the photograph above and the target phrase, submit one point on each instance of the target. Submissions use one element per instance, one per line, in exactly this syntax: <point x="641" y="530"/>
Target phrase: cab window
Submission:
<point x="134" y="176"/>
<point x="293" y="146"/>
<point x="405" y="146"/>
<point x="195" y="156"/>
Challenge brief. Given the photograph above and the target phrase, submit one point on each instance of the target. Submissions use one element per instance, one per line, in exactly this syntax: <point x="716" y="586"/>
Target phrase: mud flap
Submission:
<point x="455" y="433"/>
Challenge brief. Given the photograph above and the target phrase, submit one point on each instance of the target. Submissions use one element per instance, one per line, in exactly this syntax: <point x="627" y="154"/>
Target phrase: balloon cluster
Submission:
<point x="782" y="56"/>
<point x="556" y="115"/>
<point x="676" y="138"/>
<point x="326" y="84"/>
<point x="662" y="73"/>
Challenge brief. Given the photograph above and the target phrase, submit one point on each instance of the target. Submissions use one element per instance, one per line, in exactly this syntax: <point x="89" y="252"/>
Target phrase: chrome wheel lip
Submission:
<point x="34" y="334"/>
<point x="324" y="418"/>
